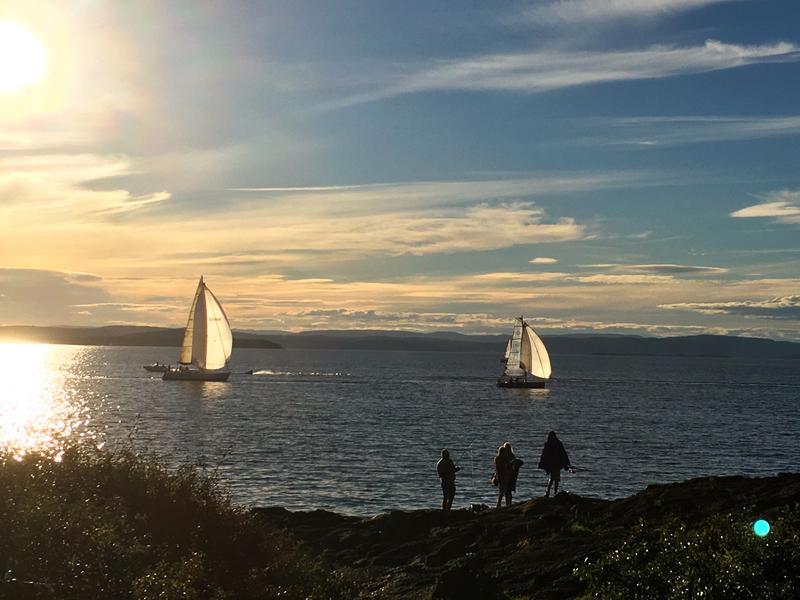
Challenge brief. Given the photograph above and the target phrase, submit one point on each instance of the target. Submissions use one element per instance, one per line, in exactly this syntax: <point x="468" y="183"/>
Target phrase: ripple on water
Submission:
<point x="360" y="432"/>
<point x="44" y="402"/>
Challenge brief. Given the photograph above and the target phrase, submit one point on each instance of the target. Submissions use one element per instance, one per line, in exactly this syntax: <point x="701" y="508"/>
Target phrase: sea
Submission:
<point x="359" y="432"/>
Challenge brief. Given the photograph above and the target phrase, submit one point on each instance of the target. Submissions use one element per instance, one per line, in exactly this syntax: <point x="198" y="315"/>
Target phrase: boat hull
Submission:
<point x="530" y="383"/>
<point x="156" y="368"/>
<point x="195" y="375"/>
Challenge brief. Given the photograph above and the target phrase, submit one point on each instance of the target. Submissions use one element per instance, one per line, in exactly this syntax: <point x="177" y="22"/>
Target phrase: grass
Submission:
<point x="117" y="524"/>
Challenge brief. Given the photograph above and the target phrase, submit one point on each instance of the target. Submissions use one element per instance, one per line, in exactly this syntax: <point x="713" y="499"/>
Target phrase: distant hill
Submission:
<point x="117" y="336"/>
<point x="694" y="345"/>
<point x="697" y="345"/>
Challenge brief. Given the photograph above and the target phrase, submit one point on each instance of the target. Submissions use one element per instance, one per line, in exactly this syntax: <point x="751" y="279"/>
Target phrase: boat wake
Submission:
<point x="269" y="372"/>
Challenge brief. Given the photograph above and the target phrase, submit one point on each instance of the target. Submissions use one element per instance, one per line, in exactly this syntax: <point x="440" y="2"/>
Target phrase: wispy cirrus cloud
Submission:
<point x="594" y="11"/>
<point x="783" y="307"/>
<point x="438" y="193"/>
<point x="521" y="277"/>
<point x="660" y="269"/>
<point x="546" y="70"/>
<point x="673" y="269"/>
<point x="54" y="187"/>
<point x="783" y="206"/>
<point x="654" y="132"/>
<point x="478" y="227"/>
<point x="263" y="229"/>
<point x="512" y="277"/>
<point x="621" y="279"/>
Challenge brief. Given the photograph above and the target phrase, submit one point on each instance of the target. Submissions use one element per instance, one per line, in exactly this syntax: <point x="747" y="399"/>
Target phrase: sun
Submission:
<point x="23" y="58"/>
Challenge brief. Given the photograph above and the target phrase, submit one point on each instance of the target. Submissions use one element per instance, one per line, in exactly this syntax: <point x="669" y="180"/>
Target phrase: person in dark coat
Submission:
<point x="554" y="458"/>
<point x="515" y="463"/>
<point x="502" y="476"/>
<point x="506" y="468"/>
<point x="446" y="469"/>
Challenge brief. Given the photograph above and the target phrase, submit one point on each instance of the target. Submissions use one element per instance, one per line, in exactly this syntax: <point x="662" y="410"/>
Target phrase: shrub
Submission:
<point x="120" y="525"/>
<point x="720" y="558"/>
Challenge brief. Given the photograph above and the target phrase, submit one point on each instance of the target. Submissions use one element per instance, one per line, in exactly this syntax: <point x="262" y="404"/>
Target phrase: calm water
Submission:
<point x="360" y="431"/>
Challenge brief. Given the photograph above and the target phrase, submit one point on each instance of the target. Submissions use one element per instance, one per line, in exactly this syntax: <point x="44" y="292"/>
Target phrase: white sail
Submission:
<point x="188" y="335"/>
<point x="208" y="340"/>
<point x="514" y="348"/>
<point x="533" y="355"/>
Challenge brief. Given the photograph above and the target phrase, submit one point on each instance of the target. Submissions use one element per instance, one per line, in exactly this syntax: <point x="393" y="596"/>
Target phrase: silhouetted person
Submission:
<point x="554" y="458"/>
<point x="446" y="470"/>
<point x="515" y="463"/>
<point x="506" y="468"/>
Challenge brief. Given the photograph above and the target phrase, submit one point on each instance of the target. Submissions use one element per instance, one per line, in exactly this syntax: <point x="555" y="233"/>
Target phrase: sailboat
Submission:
<point x="207" y="341"/>
<point x="526" y="359"/>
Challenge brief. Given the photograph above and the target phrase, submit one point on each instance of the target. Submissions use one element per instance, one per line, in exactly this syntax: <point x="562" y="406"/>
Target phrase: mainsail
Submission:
<point x="208" y="341"/>
<point x="188" y="335"/>
<point x="514" y="351"/>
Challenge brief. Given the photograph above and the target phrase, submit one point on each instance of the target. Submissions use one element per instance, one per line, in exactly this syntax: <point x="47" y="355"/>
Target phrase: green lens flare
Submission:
<point x="761" y="528"/>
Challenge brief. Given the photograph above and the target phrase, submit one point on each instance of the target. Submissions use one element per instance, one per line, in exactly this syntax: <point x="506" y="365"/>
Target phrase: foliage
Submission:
<point x="720" y="558"/>
<point x="120" y="525"/>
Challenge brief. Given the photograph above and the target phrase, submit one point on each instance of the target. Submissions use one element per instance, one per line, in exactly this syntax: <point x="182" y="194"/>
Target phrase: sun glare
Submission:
<point x="37" y="411"/>
<point x="23" y="58"/>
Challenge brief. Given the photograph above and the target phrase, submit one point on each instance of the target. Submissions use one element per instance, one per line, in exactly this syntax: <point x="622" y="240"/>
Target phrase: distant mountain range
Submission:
<point x="697" y="345"/>
<point x="117" y="335"/>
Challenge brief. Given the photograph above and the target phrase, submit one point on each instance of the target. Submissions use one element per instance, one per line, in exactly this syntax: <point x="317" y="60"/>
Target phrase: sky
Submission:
<point x="609" y="166"/>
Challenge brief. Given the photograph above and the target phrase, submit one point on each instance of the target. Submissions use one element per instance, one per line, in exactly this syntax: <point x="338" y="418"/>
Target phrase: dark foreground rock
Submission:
<point x="526" y="551"/>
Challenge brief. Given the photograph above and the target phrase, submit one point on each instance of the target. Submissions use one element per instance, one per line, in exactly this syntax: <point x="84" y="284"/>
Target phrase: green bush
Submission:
<point x="720" y="558"/>
<point x="120" y="525"/>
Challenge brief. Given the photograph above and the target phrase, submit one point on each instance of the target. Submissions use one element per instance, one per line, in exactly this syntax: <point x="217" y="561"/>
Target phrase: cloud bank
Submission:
<point x="784" y="308"/>
<point x="46" y="297"/>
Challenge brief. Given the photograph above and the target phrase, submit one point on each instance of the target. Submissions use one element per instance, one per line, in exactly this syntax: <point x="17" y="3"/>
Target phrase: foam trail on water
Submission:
<point x="300" y="373"/>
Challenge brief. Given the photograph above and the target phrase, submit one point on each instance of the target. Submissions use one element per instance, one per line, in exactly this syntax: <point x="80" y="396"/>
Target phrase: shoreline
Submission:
<point x="102" y="524"/>
<point x="528" y="550"/>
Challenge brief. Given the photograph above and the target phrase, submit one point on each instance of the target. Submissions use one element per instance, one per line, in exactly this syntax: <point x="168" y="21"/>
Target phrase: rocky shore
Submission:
<point x="526" y="551"/>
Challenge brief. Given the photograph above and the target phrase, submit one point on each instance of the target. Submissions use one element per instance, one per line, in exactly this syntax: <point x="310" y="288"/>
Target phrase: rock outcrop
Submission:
<point x="526" y="551"/>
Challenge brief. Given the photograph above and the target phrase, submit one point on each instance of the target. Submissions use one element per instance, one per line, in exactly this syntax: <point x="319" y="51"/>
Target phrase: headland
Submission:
<point x="119" y="524"/>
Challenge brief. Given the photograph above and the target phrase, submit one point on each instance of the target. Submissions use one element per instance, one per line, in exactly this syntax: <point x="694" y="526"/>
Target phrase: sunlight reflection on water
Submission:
<point x="40" y="407"/>
<point x="360" y="431"/>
